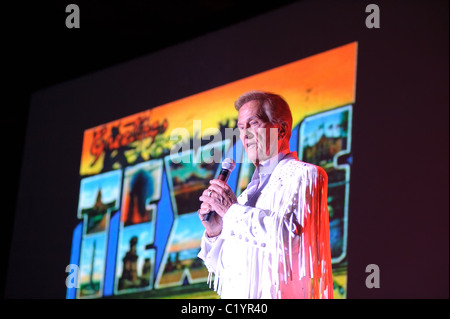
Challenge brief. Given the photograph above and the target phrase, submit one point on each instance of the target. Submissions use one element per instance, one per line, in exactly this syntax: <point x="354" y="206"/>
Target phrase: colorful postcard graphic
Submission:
<point x="325" y="140"/>
<point x="189" y="174"/>
<point x="92" y="266"/>
<point x="142" y="186"/>
<point x="135" y="258"/>
<point x="181" y="262"/>
<point x="100" y="193"/>
<point x="130" y="165"/>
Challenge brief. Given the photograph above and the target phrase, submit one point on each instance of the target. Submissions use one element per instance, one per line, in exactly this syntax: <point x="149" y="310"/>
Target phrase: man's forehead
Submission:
<point x="252" y="111"/>
<point x="252" y="104"/>
<point x="249" y="109"/>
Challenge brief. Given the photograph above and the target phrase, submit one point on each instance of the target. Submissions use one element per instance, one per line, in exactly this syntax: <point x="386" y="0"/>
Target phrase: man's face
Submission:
<point x="259" y="137"/>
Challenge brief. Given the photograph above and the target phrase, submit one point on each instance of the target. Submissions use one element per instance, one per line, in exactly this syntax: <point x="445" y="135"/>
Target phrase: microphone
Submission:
<point x="228" y="166"/>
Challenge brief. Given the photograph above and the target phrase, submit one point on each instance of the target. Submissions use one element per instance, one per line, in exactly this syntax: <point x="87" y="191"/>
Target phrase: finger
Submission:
<point x="225" y="190"/>
<point x="205" y="205"/>
<point x="214" y="203"/>
<point x="219" y="183"/>
<point x="202" y="212"/>
<point x="206" y="199"/>
<point x="216" y="190"/>
<point x="205" y="208"/>
<point x="222" y="185"/>
<point x="206" y="192"/>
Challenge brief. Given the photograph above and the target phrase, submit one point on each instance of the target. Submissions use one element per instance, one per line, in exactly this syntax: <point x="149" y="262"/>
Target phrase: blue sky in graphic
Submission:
<point x="109" y="183"/>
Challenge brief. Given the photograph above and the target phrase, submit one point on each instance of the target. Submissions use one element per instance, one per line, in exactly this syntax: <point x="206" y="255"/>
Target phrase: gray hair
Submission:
<point x="273" y="108"/>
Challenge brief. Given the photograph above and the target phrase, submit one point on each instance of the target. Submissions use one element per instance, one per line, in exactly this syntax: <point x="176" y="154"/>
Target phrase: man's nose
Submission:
<point x="249" y="133"/>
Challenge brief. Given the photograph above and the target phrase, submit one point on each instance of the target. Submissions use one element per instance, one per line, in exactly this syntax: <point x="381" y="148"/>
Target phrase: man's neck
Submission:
<point x="270" y="163"/>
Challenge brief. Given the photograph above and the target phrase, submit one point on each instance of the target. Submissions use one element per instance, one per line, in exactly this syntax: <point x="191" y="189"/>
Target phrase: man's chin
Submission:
<point x="254" y="157"/>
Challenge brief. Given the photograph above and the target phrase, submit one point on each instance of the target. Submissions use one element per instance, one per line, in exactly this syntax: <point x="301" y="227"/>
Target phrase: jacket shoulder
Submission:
<point x="295" y="167"/>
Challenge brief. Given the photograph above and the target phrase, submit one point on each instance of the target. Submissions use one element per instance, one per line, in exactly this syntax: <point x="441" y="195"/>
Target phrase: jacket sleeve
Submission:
<point x="210" y="248"/>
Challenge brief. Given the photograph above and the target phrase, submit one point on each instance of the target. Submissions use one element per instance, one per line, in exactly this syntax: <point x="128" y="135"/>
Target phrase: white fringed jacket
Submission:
<point x="281" y="247"/>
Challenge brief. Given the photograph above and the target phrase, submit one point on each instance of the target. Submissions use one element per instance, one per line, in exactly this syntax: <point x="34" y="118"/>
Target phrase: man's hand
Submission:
<point x="217" y="197"/>
<point x="214" y="226"/>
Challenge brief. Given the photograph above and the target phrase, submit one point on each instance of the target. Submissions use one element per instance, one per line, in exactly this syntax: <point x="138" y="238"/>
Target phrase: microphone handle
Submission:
<point x="223" y="176"/>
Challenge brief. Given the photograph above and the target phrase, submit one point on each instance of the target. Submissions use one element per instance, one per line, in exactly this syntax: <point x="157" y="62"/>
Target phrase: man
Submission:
<point x="273" y="241"/>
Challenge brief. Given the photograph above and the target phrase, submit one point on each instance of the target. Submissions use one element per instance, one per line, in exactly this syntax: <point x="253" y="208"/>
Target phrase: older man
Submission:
<point x="273" y="240"/>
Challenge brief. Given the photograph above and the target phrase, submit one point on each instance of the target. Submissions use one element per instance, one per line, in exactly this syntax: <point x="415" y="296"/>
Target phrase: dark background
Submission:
<point x="398" y="217"/>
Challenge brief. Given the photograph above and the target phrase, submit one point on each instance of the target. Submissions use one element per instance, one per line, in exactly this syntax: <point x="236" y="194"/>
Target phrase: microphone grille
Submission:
<point x="228" y="164"/>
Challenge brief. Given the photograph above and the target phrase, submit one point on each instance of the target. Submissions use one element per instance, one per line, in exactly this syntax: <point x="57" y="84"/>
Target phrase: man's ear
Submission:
<point x="283" y="130"/>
